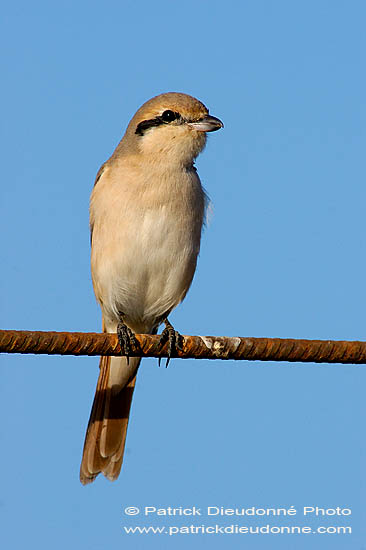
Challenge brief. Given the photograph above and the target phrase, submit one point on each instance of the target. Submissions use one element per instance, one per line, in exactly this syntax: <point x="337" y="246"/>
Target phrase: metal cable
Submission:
<point x="197" y="347"/>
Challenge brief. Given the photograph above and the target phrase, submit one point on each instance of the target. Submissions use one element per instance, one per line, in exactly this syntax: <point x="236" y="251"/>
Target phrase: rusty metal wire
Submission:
<point x="197" y="347"/>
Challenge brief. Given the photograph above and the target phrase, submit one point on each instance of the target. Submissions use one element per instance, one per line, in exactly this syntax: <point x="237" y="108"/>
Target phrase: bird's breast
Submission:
<point x="146" y="238"/>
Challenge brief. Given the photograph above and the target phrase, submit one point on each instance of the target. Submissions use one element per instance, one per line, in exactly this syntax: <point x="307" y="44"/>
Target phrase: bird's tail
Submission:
<point x="106" y="433"/>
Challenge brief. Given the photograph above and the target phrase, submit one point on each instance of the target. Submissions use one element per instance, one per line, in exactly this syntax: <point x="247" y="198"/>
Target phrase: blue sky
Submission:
<point x="283" y="256"/>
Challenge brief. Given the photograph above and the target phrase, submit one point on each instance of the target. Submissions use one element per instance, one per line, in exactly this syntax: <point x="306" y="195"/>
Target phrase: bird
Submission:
<point x="147" y="211"/>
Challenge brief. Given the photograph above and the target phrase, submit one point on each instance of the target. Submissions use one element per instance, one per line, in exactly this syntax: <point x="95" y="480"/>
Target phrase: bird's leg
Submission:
<point x="173" y="337"/>
<point x="125" y="338"/>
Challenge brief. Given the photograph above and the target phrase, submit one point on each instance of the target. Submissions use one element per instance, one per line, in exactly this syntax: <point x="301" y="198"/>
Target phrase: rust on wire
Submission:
<point x="197" y="347"/>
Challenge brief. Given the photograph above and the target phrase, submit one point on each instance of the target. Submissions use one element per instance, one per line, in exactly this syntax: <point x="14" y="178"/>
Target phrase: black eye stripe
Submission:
<point x="146" y="124"/>
<point x="166" y="117"/>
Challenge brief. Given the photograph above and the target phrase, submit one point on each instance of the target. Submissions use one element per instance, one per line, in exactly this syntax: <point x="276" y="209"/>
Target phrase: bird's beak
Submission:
<point x="207" y="124"/>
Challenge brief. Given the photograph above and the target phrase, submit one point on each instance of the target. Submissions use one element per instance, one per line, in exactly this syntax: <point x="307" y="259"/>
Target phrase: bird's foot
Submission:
<point x="125" y="338"/>
<point x="174" y="339"/>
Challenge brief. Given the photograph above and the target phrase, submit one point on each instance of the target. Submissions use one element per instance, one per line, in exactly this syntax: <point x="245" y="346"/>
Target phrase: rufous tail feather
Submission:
<point x="106" y="433"/>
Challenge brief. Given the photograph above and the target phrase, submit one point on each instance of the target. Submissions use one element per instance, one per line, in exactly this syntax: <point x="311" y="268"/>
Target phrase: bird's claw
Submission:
<point x="174" y="339"/>
<point x="125" y="338"/>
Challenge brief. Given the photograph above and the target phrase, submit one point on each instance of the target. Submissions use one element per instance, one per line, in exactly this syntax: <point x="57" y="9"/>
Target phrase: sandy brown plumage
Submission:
<point x="146" y="216"/>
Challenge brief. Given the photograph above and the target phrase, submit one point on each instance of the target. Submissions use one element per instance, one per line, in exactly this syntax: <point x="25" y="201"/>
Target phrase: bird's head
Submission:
<point x="171" y="128"/>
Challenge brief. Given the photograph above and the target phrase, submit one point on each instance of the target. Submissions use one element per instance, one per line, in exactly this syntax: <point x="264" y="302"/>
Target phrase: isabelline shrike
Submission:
<point x="146" y="214"/>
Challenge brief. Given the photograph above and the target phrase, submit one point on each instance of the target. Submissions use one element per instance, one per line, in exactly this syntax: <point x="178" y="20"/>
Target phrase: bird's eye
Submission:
<point x="169" y="116"/>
